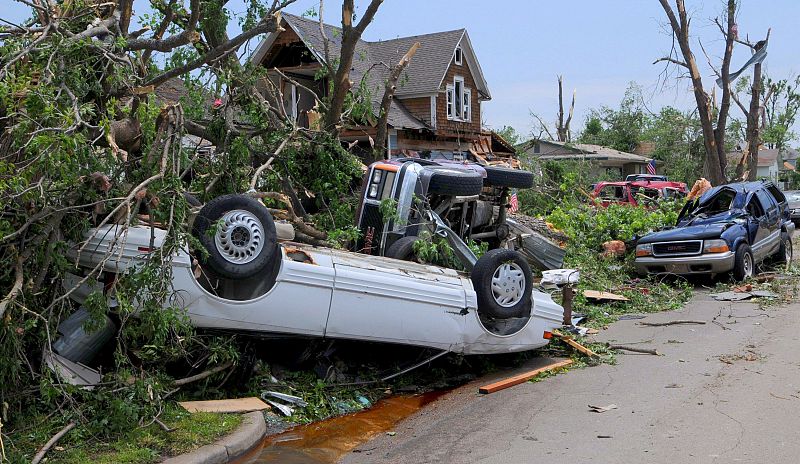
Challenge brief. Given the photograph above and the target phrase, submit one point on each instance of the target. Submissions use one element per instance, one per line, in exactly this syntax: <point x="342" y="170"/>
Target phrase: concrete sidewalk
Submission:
<point x="687" y="405"/>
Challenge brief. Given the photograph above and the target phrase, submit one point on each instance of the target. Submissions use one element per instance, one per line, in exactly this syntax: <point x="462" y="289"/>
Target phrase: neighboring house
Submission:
<point x="437" y="104"/>
<point x="773" y="164"/>
<point x="606" y="161"/>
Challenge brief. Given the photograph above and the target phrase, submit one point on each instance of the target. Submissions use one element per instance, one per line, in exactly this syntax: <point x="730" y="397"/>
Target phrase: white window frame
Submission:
<point x="459" y="109"/>
<point x="450" y="102"/>
<point x="433" y="111"/>
<point x="458" y="56"/>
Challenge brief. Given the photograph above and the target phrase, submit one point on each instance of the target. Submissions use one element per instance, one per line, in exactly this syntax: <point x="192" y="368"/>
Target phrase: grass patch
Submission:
<point x="144" y="445"/>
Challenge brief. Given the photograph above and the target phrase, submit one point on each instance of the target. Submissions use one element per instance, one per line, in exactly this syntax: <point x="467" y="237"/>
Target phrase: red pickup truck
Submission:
<point x="636" y="193"/>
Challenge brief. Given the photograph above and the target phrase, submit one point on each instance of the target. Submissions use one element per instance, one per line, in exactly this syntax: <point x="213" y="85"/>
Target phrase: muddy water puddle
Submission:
<point x="325" y="442"/>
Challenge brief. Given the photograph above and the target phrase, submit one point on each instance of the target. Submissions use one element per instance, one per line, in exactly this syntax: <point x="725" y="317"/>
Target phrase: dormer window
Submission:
<point x="457" y="56"/>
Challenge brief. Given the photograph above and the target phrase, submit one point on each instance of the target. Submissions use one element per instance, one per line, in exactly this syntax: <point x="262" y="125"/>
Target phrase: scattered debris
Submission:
<point x="288" y="398"/>
<point x="743" y="288"/>
<point x="674" y="385"/>
<point x="71" y="372"/>
<point x="675" y="322"/>
<point x="582" y="331"/>
<point x="737" y="295"/>
<point x="575" y="345"/>
<point x="603" y="296"/>
<point x="613" y="249"/>
<point x="285" y="410"/>
<point x="731" y="358"/>
<point x="633" y="349"/>
<point x="521" y="378"/>
<point x="228" y="405"/>
<point x="604" y="436"/>
<point x="391" y="434"/>
<point x="601" y="409"/>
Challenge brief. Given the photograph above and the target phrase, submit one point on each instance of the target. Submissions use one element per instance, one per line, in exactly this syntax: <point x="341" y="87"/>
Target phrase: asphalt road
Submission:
<point x="721" y="393"/>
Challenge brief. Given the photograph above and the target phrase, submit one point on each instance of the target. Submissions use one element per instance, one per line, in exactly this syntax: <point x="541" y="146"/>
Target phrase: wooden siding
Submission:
<point x="419" y="107"/>
<point x="450" y="128"/>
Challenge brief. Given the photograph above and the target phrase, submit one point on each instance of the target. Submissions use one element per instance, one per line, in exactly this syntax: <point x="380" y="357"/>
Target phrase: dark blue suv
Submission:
<point x="730" y="228"/>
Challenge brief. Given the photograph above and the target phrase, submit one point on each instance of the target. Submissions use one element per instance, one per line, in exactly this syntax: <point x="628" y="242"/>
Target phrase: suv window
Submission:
<point x="766" y="200"/>
<point x="754" y="207"/>
<point x="776" y="193"/>
<point x="613" y="192"/>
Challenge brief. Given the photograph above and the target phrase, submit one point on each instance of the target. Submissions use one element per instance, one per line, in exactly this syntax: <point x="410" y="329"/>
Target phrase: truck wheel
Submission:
<point x="403" y="248"/>
<point x="507" y="177"/>
<point x="238" y="233"/>
<point x="784" y="254"/>
<point x="743" y="266"/>
<point x="448" y="181"/>
<point x="502" y="281"/>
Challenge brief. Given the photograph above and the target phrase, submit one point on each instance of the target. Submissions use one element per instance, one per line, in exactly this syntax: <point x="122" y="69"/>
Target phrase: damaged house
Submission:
<point x="437" y="104"/>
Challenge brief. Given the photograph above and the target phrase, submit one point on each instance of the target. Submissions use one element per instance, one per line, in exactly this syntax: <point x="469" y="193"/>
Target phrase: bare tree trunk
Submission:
<point x="386" y="101"/>
<point x="563" y="127"/>
<point x="341" y="78"/>
<point x="713" y="139"/>
<point x="753" y="130"/>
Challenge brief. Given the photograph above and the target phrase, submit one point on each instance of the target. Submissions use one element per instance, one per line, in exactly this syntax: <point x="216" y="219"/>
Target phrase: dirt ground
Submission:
<point x="727" y="391"/>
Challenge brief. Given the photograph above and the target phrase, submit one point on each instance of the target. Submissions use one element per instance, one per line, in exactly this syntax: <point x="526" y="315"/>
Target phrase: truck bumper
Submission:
<point x="716" y="263"/>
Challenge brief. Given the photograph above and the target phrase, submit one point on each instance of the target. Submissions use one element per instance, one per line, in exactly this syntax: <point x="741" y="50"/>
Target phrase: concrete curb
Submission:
<point x="233" y="445"/>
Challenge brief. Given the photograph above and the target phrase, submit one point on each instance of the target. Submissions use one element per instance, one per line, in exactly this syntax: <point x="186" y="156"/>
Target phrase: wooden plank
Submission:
<point x="595" y="295"/>
<point x="521" y="378"/>
<point x="228" y="405"/>
<point x="575" y="345"/>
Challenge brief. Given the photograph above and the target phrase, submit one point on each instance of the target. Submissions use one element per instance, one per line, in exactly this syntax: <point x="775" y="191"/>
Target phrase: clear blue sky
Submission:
<point x="598" y="46"/>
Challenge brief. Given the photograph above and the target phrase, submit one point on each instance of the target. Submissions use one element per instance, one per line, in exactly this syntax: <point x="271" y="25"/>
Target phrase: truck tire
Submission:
<point x="448" y="181"/>
<point x="506" y="177"/>
<point x="503" y="284"/>
<point x="743" y="265"/>
<point x="239" y="234"/>
<point x="785" y="251"/>
<point x="403" y="248"/>
<point x="191" y="200"/>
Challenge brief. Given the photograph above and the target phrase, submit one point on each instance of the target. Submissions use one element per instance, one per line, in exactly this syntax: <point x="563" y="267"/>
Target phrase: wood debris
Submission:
<point x="575" y="345"/>
<point x="521" y="378"/>
<point x="596" y="295"/>
<point x="228" y="405"/>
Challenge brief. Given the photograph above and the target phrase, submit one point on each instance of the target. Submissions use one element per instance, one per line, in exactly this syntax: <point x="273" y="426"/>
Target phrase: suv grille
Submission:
<point x="371" y="228"/>
<point x="691" y="247"/>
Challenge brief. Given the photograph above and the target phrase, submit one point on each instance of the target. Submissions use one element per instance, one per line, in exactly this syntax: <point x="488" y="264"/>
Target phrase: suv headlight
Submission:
<point x="715" y="246"/>
<point x="644" y="250"/>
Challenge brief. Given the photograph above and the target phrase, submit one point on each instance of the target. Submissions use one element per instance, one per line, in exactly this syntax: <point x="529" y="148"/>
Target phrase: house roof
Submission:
<point x="423" y="75"/>
<point x="590" y="151"/>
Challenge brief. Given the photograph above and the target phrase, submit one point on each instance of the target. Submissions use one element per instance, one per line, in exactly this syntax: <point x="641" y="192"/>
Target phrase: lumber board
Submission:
<point x="229" y="405"/>
<point x="595" y="295"/>
<point x="575" y="345"/>
<point x="521" y="378"/>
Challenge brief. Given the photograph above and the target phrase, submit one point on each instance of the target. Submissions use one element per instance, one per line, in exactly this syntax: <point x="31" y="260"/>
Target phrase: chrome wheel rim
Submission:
<point x="508" y="284"/>
<point x="748" y="265"/>
<point x="240" y="237"/>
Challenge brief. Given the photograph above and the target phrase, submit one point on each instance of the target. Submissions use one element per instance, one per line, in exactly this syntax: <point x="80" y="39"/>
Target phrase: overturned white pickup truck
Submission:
<point x="253" y="282"/>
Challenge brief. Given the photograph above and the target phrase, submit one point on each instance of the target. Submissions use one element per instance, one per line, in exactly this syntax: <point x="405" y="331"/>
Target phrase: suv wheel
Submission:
<point x="502" y="281"/>
<point x="507" y="177"/>
<point x="402" y="249"/>
<point x="785" y="251"/>
<point x="743" y="266"/>
<point x="238" y="233"/>
<point x="448" y="181"/>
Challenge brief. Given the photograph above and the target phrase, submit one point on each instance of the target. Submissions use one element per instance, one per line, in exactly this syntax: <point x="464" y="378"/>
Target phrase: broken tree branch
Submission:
<point x="203" y="375"/>
<point x="40" y="455"/>
<point x="386" y="102"/>
<point x="633" y="349"/>
<point x="675" y="322"/>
